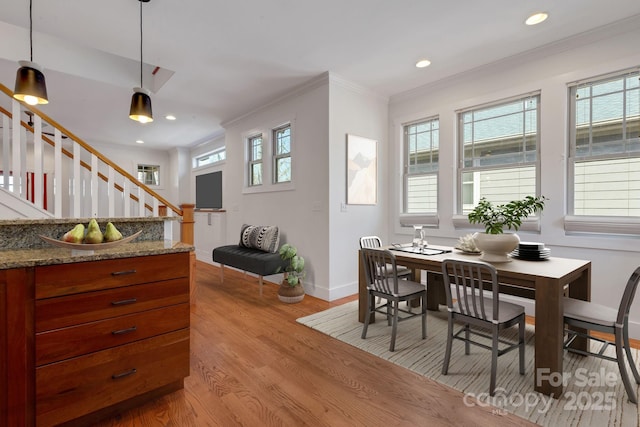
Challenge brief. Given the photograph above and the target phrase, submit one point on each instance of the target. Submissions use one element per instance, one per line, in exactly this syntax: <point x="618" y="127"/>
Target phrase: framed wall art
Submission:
<point x="362" y="170"/>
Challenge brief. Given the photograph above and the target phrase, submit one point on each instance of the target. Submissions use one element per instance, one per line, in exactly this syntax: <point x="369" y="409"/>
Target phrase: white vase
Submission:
<point x="496" y="247"/>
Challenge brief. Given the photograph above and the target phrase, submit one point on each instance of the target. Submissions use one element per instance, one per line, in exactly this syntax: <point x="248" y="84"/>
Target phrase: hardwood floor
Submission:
<point x="253" y="365"/>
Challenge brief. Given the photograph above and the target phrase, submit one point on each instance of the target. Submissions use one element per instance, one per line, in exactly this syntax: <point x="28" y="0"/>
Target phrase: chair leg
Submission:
<point x="521" y="341"/>
<point x="447" y="352"/>
<point x="424" y="316"/>
<point x="221" y="273"/>
<point x="394" y="327"/>
<point x="623" y="370"/>
<point x="494" y="361"/>
<point x="627" y="349"/>
<point x="467" y="344"/>
<point x="370" y="301"/>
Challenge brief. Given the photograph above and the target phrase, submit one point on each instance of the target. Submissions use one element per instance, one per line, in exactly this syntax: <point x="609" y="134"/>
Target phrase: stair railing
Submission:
<point x="79" y="173"/>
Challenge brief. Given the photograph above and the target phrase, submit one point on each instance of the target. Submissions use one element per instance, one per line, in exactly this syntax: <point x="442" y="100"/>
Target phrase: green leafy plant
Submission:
<point x="510" y="215"/>
<point x="294" y="272"/>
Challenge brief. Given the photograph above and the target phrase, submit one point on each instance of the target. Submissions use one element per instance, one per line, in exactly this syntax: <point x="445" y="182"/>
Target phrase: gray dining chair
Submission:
<point x="597" y="317"/>
<point x="382" y="281"/>
<point x="468" y="280"/>
<point x="376" y="242"/>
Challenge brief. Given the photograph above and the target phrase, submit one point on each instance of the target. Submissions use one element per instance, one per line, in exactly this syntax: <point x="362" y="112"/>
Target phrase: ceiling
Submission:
<point x="220" y="59"/>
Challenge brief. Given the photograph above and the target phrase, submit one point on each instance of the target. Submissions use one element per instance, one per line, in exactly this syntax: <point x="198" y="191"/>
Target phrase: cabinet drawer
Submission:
<point x="60" y="312"/>
<point x="65" y="279"/>
<point x="59" y="344"/>
<point x="76" y="387"/>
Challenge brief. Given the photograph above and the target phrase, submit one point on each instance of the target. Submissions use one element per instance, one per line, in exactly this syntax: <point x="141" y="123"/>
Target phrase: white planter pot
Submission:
<point x="496" y="247"/>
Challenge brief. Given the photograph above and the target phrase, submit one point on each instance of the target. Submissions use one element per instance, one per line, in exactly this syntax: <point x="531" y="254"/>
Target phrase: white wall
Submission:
<point x="548" y="70"/>
<point x="301" y="211"/>
<point x="355" y="111"/>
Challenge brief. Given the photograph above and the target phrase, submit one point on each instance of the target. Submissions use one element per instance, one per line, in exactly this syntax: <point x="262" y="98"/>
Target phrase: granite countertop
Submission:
<point x="74" y="221"/>
<point x="21" y="258"/>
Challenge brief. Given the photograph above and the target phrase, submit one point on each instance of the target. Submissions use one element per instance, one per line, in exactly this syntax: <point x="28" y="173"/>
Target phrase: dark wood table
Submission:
<point x="543" y="281"/>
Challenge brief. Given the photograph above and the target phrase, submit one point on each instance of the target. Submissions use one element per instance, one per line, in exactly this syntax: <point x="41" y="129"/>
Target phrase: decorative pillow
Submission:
<point x="263" y="237"/>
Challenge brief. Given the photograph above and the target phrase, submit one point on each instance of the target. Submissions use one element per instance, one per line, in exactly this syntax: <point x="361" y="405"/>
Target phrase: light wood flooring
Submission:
<point x="253" y="365"/>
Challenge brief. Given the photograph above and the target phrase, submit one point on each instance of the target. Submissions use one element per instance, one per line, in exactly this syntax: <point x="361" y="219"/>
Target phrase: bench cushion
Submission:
<point x="249" y="259"/>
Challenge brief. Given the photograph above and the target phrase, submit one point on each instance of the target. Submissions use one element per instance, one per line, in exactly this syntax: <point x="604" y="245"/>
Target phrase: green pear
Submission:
<point x="94" y="235"/>
<point x="111" y="233"/>
<point x="75" y="235"/>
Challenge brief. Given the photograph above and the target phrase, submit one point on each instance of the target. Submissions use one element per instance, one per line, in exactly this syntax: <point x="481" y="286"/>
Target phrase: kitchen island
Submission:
<point x="86" y="334"/>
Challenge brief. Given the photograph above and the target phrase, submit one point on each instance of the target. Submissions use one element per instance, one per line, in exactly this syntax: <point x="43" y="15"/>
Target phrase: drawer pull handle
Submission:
<point x="124" y="374"/>
<point x="125" y="301"/>
<point x="122" y="273"/>
<point x="125" y="331"/>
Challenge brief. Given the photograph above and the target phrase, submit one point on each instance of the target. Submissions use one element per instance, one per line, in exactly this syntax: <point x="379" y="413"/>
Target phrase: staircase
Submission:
<point x="55" y="174"/>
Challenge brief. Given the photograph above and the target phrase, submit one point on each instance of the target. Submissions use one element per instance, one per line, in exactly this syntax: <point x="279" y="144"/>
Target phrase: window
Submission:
<point x="255" y="160"/>
<point x="282" y="154"/>
<point x="604" y="158"/>
<point x="498" y="146"/>
<point x="149" y="174"/>
<point x="421" y="148"/>
<point x="212" y="157"/>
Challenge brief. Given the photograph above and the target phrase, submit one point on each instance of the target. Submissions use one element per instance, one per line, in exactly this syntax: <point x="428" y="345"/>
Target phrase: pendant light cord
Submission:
<point x="141" y="45"/>
<point x="30" y="30"/>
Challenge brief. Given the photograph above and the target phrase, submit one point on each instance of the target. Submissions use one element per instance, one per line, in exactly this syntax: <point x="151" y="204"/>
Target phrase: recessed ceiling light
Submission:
<point x="140" y="141"/>
<point x="423" y="63"/>
<point x="536" y="18"/>
<point x="170" y="117"/>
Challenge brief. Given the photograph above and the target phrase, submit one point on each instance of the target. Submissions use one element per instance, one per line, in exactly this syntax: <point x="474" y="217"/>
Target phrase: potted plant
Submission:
<point x="493" y="242"/>
<point x="291" y="289"/>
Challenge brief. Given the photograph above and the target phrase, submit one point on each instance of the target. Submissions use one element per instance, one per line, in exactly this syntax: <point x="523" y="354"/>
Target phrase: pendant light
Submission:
<point x="140" y="101"/>
<point x="30" y="85"/>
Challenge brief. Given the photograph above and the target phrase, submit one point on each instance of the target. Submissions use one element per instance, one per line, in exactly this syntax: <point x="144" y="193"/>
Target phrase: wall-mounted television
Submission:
<point x="209" y="191"/>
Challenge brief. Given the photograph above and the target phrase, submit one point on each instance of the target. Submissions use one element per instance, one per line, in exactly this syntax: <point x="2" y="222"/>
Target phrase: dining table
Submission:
<point x="546" y="281"/>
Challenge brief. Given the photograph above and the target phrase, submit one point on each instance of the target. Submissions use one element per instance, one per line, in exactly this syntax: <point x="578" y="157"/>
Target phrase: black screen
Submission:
<point x="209" y="191"/>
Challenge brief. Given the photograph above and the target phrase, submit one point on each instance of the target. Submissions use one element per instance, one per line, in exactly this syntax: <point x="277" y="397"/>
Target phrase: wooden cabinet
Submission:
<point x="108" y="331"/>
<point x="16" y="347"/>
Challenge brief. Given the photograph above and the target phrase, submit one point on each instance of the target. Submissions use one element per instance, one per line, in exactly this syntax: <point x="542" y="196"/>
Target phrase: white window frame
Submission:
<point x="215" y="157"/>
<point x="266" y="130"/>
<point x="277" y="156"/>
<point x="460" y="219"/>
<point x="598" y="224"/>
<point x="253" y="161"/>
<point x="153" y="168"/>
<point x="427" y="218"/>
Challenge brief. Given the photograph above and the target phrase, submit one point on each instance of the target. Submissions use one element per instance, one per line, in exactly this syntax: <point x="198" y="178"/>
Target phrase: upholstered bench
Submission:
<point x="256" y="253"/>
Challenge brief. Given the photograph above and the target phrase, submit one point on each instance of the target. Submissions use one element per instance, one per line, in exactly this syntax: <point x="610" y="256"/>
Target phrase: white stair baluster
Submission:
<point x="111" y="191"/>
<point x="141" y="194"/>
<point x="94" y="186"/>
<point x="57" y="173"/>
<point x="6" y="150"/>
<point x="77" y="181"/>
<point x="126" y="197"/>
<point x="16" y="153"/>
<point x="36" y="182"/>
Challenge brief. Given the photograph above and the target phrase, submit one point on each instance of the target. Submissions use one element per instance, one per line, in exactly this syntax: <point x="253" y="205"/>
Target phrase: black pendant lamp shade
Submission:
<point x="141" y="106"/>
<point x="140" y="101"/>
<point x="30" y="85"/>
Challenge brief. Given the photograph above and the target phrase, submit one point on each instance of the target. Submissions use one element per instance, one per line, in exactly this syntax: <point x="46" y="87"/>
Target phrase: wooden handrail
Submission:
<point x="90" y="149"/>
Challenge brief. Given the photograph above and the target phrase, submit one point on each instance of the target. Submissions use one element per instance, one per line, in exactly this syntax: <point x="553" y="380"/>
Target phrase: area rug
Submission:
<point x="594" y="394"/>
